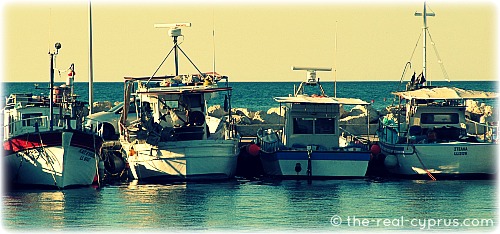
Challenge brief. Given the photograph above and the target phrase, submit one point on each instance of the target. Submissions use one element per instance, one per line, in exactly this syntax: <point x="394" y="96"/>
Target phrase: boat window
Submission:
<point x="169" y="105"/>
<point x="303" y="125"/>
<point x="192" y="101"/>
<point x="132" y="108"/>
<point x="324" y="126"/>
<point x="439" y="118"/>
<point x="31" y="118"/>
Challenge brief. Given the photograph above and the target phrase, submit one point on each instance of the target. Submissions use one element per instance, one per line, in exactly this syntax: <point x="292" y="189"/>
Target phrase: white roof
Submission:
<point x="446" y="93"/>
<point x="321" y="100"/>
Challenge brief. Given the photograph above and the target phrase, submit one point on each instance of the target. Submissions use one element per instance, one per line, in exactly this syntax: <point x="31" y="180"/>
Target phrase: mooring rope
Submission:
<point x="423" y="166"/>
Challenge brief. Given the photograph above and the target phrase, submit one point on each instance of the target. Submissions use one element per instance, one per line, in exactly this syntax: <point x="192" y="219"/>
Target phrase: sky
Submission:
<point x="252" y="41"/>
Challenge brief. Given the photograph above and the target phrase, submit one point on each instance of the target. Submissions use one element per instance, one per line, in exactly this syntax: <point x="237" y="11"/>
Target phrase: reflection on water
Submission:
<point x="248" y="205"/>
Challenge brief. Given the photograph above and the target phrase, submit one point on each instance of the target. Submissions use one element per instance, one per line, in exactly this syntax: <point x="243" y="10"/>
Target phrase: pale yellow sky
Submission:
<point x="254" y="42"/>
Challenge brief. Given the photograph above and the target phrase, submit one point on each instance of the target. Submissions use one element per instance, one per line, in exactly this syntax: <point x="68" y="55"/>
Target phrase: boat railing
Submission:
<point x="388" y="131"/>
<point x="268" y="140"/>
<point x="359" y="141"/>
<point x="484" y="131"/>
<point x="94" y="126"/>
<point x="26" y="125"/>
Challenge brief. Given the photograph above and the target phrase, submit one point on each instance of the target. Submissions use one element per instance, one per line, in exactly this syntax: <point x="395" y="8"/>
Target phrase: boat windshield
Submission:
<point x="117" y="107"/>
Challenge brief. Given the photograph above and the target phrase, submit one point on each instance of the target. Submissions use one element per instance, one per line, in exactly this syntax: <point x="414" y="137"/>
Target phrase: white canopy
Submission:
<point x="321" y="100"/>
<point x="442" y="93"/>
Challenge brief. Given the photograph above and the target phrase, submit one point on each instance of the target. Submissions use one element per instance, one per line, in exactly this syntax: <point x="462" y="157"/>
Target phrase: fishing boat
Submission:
<point x="312" y="144"/>
<point x="428" y="135"/>
<point x="45" y="143"/>
<point x="168" y="136"/>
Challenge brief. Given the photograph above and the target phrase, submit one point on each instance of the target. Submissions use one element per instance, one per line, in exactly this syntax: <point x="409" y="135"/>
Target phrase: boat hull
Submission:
<point x="445" y="160"/>
<point x="58" y="159"/>
<point x="183" y="160"/>
<point x="324" y="164"/>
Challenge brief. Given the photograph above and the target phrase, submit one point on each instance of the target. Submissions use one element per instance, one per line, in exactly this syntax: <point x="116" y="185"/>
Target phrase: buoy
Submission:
<point x="375" y="149"/>
<point x="253" y="149"/>
<point x="391" y="161"/>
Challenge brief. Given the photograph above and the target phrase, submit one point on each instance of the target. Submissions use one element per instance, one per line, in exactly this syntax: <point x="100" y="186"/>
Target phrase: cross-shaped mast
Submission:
<point x="424" y="15"/>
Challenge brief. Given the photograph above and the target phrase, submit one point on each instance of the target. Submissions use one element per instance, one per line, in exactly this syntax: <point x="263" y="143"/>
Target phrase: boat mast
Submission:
<point x="424" y="15"/>
<point x="91" y="64"/>
<point x="51" y="87"/>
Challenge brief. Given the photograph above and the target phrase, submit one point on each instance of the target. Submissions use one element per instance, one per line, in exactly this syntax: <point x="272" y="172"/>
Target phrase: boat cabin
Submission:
<point x="172" y="111"/>
<point x="24" y="113"/>
<point x="432" y="114"/>
<point x="313" y="120"/>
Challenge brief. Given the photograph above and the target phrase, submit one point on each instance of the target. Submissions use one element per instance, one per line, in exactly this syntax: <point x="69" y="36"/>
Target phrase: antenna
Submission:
<point x="174" y="32"/>
<point x="335" y="63"/>
<point x="213" y="40"/>
<point x="311" y="72"/>
<point x="310" y="77"/>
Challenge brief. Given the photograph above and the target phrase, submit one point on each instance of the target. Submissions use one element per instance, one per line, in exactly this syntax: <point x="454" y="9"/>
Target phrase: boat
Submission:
<point x="45" y="143"/>
<point x="312" y="145"/>
<point x="428" y="135"/>
<point x="168" y="138"/>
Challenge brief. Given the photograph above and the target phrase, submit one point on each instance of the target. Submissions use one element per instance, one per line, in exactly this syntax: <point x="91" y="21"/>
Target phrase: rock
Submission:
<point x="274" y="118"/>
<point x="342" y="111"/>
<point x="473" y="107"/>
<point x="243" y="112"/>
<point x="241" y="119"/>
<point x="488" y="110"/>
<point x="360" y="110"/>
<point x="277" y="111"/>
<point x="259" y="117"/>
<point x="216" y="111"/>
<point x="101" y="106"/>
<point x="356" y="120"/>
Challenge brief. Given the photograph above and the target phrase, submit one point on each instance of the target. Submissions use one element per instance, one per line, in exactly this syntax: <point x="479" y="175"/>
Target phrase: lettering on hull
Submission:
<point x="460" y="150"/>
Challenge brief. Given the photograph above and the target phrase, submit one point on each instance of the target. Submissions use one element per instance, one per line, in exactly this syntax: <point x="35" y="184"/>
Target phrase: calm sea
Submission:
<point x="258" y="205"/>
<point x="242" y="205"/>
<point x="259" y="95"/>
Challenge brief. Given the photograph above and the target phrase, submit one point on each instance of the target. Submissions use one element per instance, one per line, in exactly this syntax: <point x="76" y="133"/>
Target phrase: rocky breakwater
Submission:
<point x="103" y="106"/>
<point x="248" y="121"/>
<point x="480" y="112"/>
<point x="353" y="120"/>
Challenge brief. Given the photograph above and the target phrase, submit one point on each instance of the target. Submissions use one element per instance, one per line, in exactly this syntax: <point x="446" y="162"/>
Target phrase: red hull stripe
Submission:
<point x="50" y="139"/>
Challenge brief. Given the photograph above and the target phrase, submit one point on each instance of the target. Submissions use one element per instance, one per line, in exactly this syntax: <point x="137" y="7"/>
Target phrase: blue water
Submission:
<point x="241" y="205"/>
<point x="261" y="205"/>
<point x="259" y="95"/>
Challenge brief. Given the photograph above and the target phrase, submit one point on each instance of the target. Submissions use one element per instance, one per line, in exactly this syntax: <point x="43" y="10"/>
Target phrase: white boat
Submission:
<point x="312" y="144"/>
<point x="428" y="134"/>
<point x="169" y="137"/>
<point x="46" y="149"/>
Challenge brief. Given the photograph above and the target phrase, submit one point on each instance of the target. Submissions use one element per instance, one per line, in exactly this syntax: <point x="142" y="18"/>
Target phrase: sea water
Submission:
<point x="260" y="204"/>
<point x="259" y="95"/>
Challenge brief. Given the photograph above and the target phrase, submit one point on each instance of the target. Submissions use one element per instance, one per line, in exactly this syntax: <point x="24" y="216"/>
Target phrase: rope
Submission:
<point x="309" y="163"/>
<point x="46" y="159"/>
<point x="96" y="163"/>
<point x="192" y="62"/>
<point x="422" y="163"/>
<point x="406" y="65"/>
<point x="445" y="74"/>
<point x="161" y="64"/>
